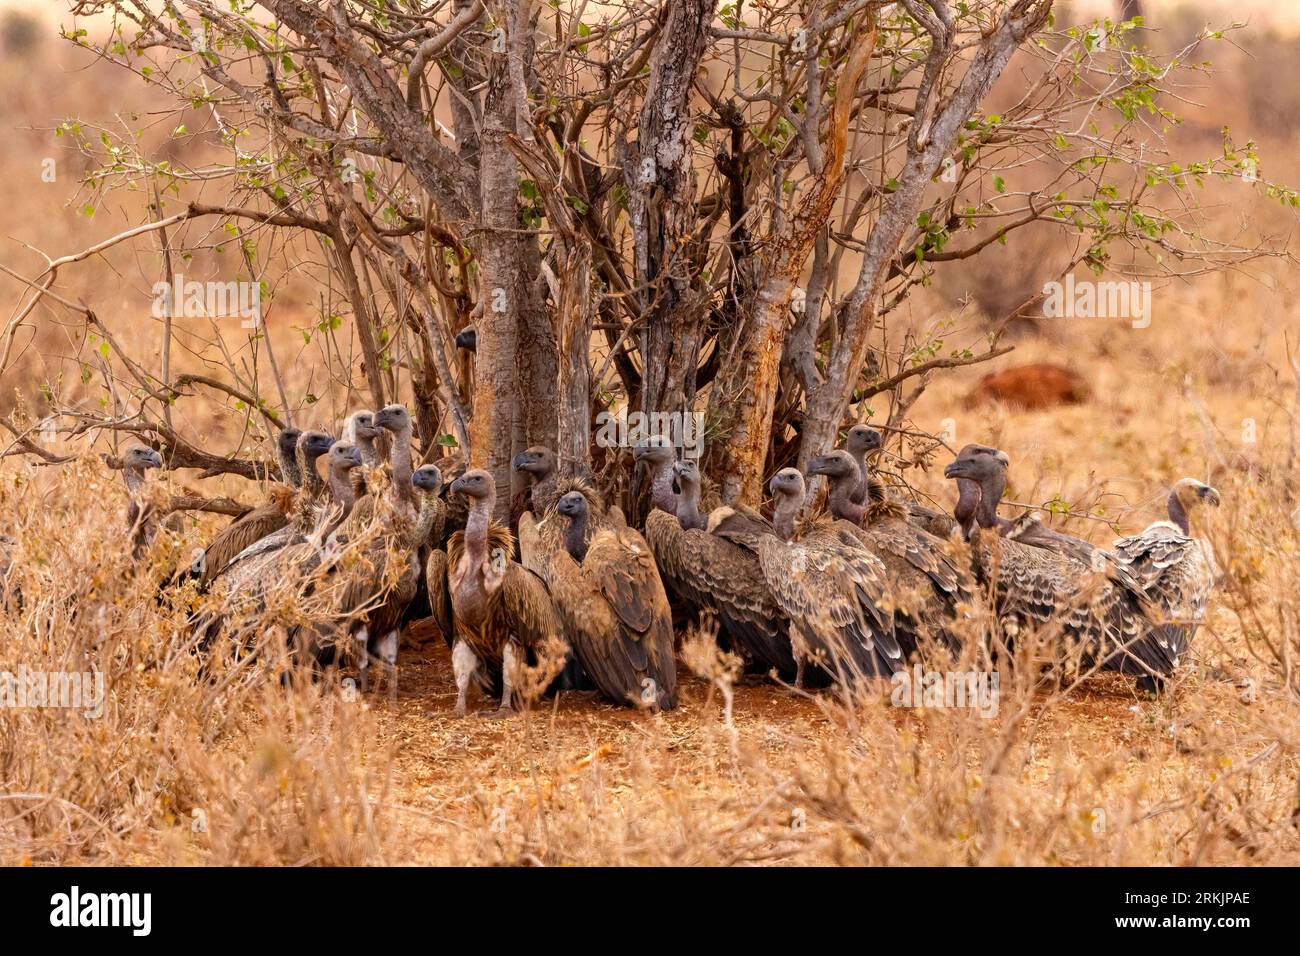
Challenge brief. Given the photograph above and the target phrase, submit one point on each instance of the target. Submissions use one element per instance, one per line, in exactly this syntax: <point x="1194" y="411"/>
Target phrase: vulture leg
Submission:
<point x="509" y="671"/>
<point x="388" y="654"/>
<point x="362" y="637"/>
<point x="463" y="665"/>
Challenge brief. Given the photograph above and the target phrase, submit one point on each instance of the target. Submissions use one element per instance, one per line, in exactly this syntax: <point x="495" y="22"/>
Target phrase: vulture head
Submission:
<point x="427" y="478"/>
<point x="863" y="440"/>
<point x="788" y="484"/>
<point x="363" y="425"/>
<point x="655" y="451"/>
<point x="686" y="476"/>
<point x="344" y="456"/>
<point x="836" y="465"/>
<point x="475" y="485"/>
<point x="139" y="457"/>
<point x="288" y="441"/>
<point x="467" y="339"/>
<point x="395" y="418"/>
<point x="1192" y="493"/>
<point x="314" y="444"/>
<point x="572" y="505"/>
<point x="981" y="475"/>
<point x="538" y="461"/>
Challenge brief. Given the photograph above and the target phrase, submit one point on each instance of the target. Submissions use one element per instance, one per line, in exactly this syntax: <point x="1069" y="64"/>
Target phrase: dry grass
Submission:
<point x="236" y="767"/>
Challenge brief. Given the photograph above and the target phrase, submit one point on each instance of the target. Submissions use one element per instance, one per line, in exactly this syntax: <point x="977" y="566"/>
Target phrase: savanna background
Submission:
<point x="244" y="770"/>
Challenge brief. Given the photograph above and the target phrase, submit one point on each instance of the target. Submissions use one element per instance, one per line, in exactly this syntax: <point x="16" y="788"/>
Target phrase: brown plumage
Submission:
<point x="1099" y="615"/>
<point x="607" y="593"/>
<point x="659" y="456"/>
<point x="714" y="575"/>
<point x="831" y="587"/>
<point x="499" y="609"/>
<point x="1175" y="569"/>
<point x="926" y="585"/>
<point x="378" y="593"/>
<point x="244" y="531"/>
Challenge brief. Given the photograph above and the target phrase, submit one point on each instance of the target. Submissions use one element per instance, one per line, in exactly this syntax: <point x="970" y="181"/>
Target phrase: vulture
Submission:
<point x="467" y="339"/>
<point x="396" y="420"/>
<point x="862" y="443"/>
<point x="376" y="599"/>
<point x="713" y="574"/>
<point x="1101" y="612"/>
<point x="499" y="609"/>
<point x="608" y="595"/>
<point x="1175" y="569"/>
<point x="297" y="548"/>
<point x="311" y="445"/>
<point x="318" y="521"/>
<point x="829" y="585"/>
<point x="266" y="519"/>
<point x="658" y="454"/>
<point x="360" y="430"/>
<point x="926" y="587"/>
<point x="140" y="524"/>
<point x="538" y="463"/>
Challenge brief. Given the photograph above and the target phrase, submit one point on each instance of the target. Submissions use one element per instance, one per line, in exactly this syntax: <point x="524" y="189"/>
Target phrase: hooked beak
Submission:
<point x="1209" y="495"/>
<point x="819" y="465"/>
<point x="155" y="460"/>
<point x="956" y="469"/>
<point x="519" y="461"/>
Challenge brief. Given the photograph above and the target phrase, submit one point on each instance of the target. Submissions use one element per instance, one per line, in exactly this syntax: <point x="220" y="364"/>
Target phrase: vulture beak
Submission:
<point x="519" y="461"/>
<point x="818" y="465"/>
<point x="956" y="469"/>
<point x="1209" y="495"/>
<point x="467" y="339"/>
<point x="155" y="459"/>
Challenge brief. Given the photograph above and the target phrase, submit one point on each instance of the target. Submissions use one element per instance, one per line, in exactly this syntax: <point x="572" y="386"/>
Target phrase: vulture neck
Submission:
<point x="968" y="502"/>
<point x="418" y="533"/>
<point x="476" y="529"/>
<point x="310" y="477"/>
<point x="400" y="460"/>
<point x="688" y="508"/>
<point x="662" y="495"/>
<point x="783" y="517"/>
<point x="859" y="491"/>
<point x="841" y="500"/>
<point x="1178" y="513"/>
<point x="341" y="489"/>
<point x="289" y="470"/>
<point x="369" y="455"/>
<point x="991" y="489"/>
<point x="575" y="538"/>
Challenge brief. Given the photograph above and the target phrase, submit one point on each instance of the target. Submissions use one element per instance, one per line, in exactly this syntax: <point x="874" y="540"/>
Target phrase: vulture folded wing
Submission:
<point x="713" y="574"/>
<point x="435" y="581"/>
<point x="831" y="593"/>
<point x="526" y="607"/>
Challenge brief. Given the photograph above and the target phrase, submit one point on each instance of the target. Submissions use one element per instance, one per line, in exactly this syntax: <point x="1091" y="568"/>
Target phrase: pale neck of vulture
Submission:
<point x="662" y="495"/>
<point x="400" y="461"/>
<point x="785" y="513"/>
<point x="418" y="532"/>
<point x="991" y="488"/>
<point x="840" y="499"/>
<point x="968" y="501"/>
<point x="1178" y="513"/>
<point x="688" y="505"/>
<point x="311" y="479"/>
<point x="476" y="528"/>
<point x="289" y="469"/>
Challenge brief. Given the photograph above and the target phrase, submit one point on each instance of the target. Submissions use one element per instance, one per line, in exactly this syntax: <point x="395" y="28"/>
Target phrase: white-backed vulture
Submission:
<point x="538" y="463"/>
<point x="360" y="429"/>
<point x="499" y="609"/>
<point x="265" y="519"/>
<point x="1175" y="568"/>
<point x="658" y="455"/>
<point x="1099" y="612"/>
<point x="140" y="517"/>
<point x="926" y="585"/>
<point x="396" y="420"/>
<point x="606" y="589"/>
<point x="828" y="584"/>
<point x="377" y="596"/>
<point x="716" y="576"/>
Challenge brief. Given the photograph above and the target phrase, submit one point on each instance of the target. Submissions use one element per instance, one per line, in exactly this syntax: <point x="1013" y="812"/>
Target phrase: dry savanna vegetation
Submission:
<point x="787" y="217"/>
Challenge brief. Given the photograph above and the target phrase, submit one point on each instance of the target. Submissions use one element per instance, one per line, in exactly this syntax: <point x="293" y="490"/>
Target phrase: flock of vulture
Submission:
<point x="832" y="595"/>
